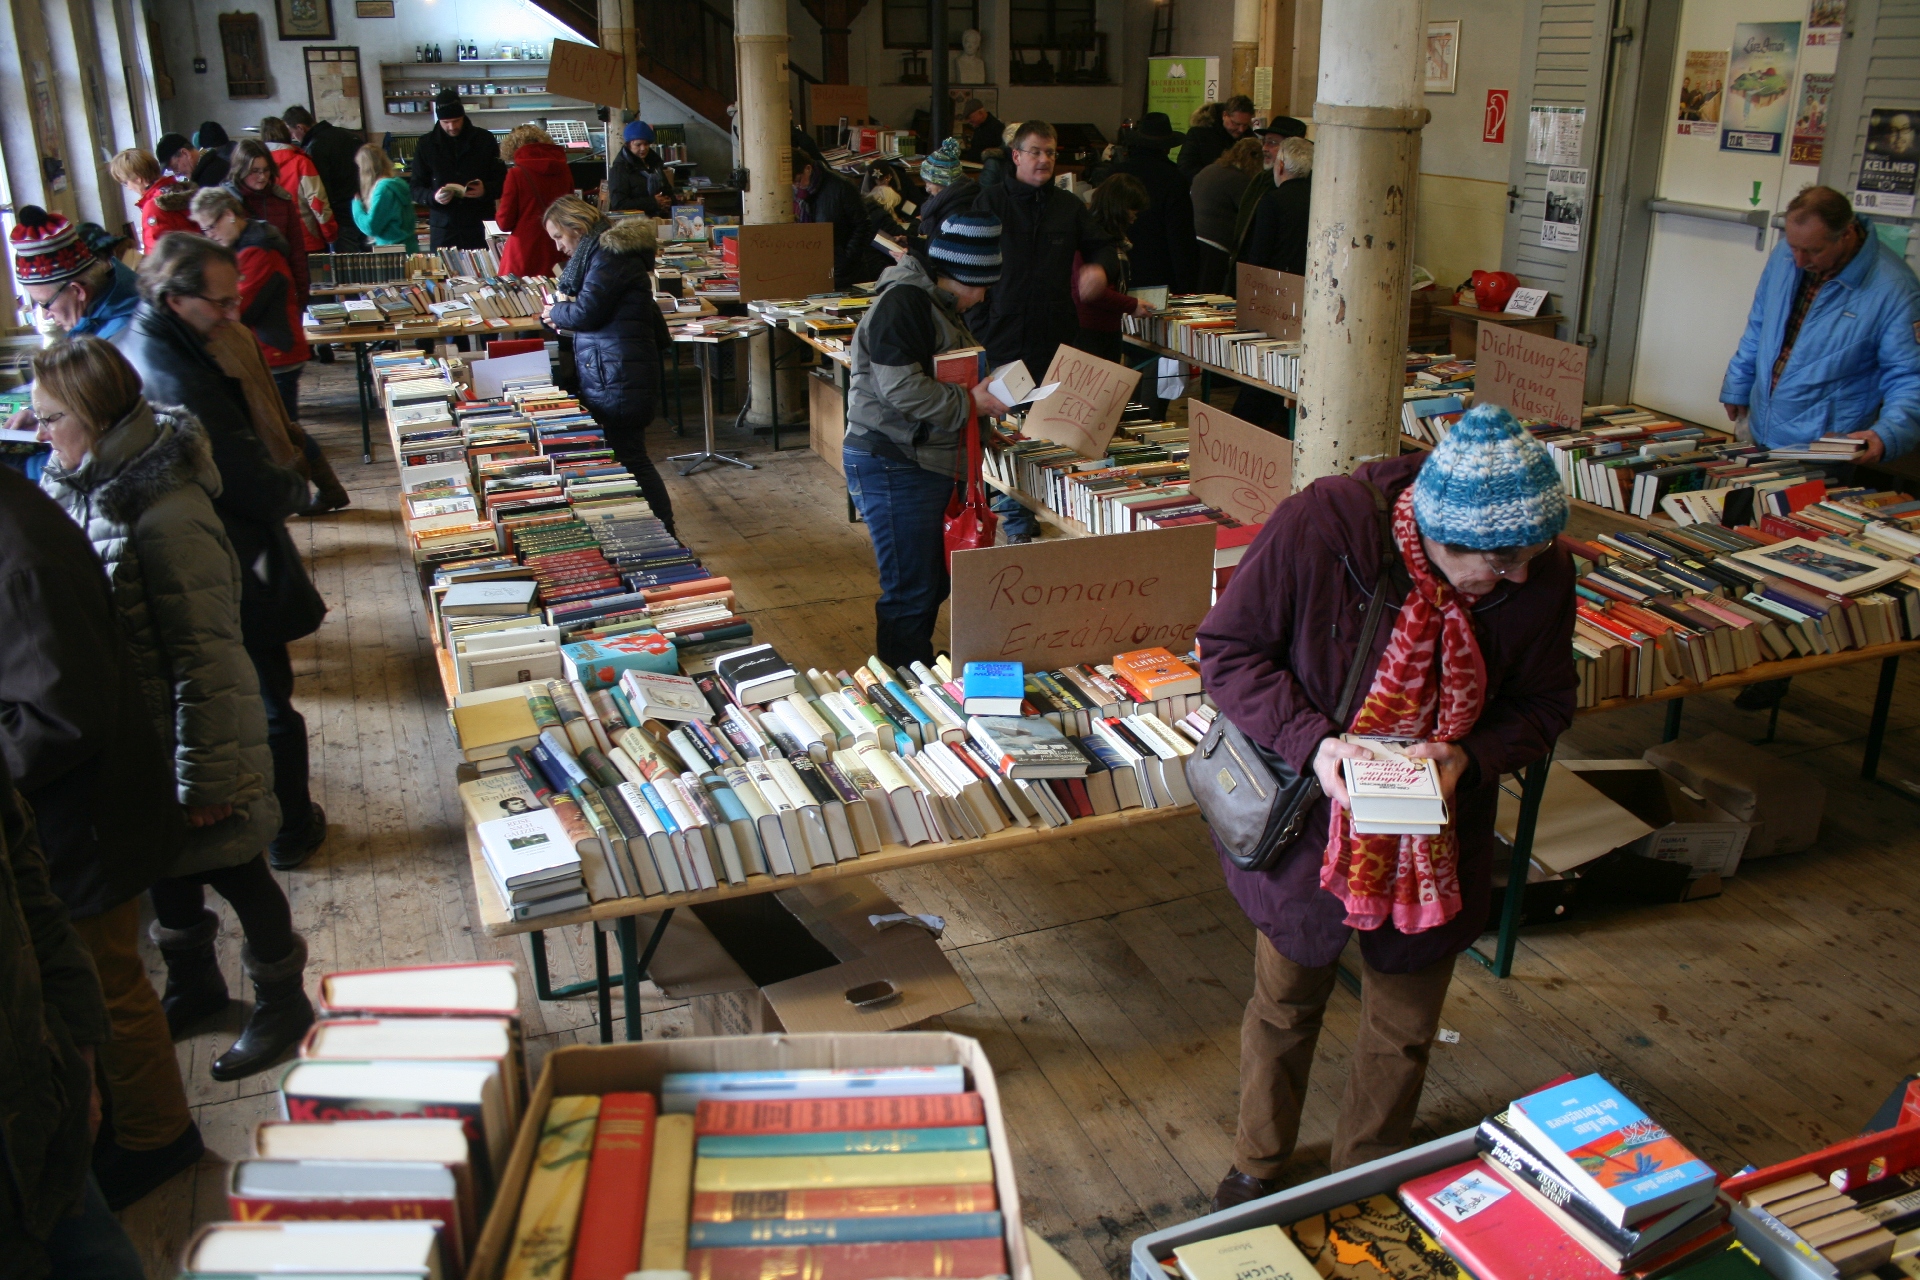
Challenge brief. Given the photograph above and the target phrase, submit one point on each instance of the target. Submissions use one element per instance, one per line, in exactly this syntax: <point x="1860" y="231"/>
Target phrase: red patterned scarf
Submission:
<point x="1430" y="685"/>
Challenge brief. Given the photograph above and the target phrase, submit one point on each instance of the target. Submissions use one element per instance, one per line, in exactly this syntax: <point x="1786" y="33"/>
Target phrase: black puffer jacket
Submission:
<point x="618" y="332"/>
<point x="633" y="183"/>
<point x="278" y="602"/>
<point x="74" y="728"/>
<point x="1030" y="312"/>
<point x="439" y="160"/>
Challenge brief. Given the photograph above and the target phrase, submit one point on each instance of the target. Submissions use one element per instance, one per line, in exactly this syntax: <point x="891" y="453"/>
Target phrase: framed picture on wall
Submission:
<point x="373" y="8"/>
<point x="305" y="19"/>
<point x="333" y="85"/>
<point x="1443" y="55"/>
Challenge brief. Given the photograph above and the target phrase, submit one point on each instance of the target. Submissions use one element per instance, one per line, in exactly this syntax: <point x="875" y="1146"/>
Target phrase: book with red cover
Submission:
<point x="948" y="1259"/>
<point x="613" y="1213"/>
<point x="1493" y="1230"/>
<point x="840" y="1115"/>
<point x="810" y="1203"/>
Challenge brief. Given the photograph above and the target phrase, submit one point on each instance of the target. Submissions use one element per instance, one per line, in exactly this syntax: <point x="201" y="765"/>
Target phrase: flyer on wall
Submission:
<point x="1824" y="22"/>
<point x="1759" y="85"/>
<point x="1810" y="121"/>
<point x="1566" y="208"/>
<point x="1703" y="85"/>
<point x="1891" y="164"/>
<point x="1554" y="134"/>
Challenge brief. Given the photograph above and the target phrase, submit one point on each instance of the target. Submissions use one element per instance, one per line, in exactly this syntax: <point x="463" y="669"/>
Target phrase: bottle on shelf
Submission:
<point x="419" y="54"/>
<point x="436" y="53"/>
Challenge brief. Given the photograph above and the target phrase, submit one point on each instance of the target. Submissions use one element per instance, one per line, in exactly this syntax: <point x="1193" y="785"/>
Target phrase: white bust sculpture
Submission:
<point x="970" y="67"/>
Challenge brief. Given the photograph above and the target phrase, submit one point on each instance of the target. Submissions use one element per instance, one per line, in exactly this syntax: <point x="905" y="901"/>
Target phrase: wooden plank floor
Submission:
<point x="1109" y="977"/>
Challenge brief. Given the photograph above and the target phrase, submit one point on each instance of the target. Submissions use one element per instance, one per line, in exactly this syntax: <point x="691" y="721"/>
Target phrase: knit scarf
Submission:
<point x="574" y="273"/>
<point x="1430" y="685"/>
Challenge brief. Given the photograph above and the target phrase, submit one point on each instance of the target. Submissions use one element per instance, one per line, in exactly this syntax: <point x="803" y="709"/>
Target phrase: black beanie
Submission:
<point x="210" y="135"/>
<point x="448" y="106"/>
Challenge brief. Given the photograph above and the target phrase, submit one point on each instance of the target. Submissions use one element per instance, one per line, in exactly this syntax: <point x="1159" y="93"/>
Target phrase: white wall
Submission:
<point x="1463" y="181"/>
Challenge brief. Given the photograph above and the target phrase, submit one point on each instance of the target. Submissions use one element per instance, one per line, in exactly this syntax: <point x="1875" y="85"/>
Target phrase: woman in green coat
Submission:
<point x="140" y="481"/>
<point x="384" y="208"/>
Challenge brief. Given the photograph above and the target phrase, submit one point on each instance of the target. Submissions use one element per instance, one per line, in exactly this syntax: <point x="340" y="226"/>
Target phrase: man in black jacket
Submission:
<point x="216" y="154"/>
<point x="77" y="739"/>
<point x="1208" y="142"/>
<point x="1030" y="314"/>
<point x="821" y="195"/>
<point x="988" y="131"/>
<point x="457" y="174"/>
<point x="331" y="149"/>
<point x="187" y="286"/>
<point x="638" y="178"/>
<point x="1164" y="248"/>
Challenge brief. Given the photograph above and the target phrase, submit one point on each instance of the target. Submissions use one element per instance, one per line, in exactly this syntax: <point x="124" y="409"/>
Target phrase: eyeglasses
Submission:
<point x="1502" y="563"/>
<point x="1046" y="153"/>
<point x="47" y="306"/>
<point x="48" y="419"/>
<point x="229" y="303"/>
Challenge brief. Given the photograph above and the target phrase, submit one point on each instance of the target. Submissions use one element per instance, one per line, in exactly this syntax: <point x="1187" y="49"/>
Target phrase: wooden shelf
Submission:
<point x="467" y="62"/>
<point x="1216" y="369"/>
<point x="1047" y="515"/>
<point x="1783" y="669"/>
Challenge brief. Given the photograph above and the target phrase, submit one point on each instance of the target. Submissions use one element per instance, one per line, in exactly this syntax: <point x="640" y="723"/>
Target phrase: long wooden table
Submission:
<point x="1216" y="370"/>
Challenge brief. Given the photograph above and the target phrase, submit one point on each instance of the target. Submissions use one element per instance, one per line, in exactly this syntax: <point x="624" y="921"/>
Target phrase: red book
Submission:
<point x="1493" y="1230"/>
<point x="613" y="1213"/>
<point x="840" y="1115"/>
<point x="839" y="1202"/>
<point x="948" y="1259"/>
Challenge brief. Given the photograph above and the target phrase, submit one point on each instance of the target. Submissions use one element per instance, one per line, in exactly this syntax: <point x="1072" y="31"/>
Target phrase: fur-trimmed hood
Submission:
<point x="145" y="456"/>
<point x="172" y="195"/>
<point x="630" y="235"/>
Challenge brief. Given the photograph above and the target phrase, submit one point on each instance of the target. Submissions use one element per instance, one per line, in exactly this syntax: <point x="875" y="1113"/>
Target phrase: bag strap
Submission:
<point x="1389" y="561"/>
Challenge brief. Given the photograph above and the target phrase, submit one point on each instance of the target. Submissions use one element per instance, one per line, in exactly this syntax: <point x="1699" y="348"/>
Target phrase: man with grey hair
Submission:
<point x="189" y="285"/>
<point x="1277" y="236"/>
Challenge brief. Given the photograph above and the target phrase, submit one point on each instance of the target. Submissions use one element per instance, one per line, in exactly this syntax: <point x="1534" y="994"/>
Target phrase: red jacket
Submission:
<point x="539" y="176"/>
<point x="267" y="303"/>
<point x="163" y="208"/>
<point x="1102" y="315"/>
<point x="274" y="208"/>
<point x="1274" y="653"/>
<point x="298" y="175"/>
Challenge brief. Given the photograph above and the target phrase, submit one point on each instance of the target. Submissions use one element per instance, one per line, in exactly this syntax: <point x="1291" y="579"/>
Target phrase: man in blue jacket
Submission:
<point x="1832" y="345"/>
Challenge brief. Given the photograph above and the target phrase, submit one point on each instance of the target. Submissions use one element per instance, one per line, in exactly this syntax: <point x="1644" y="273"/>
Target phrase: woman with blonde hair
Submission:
<point x="140" y="481"/>
<point x="383" y="210"/>
<point x="537" y="177"/>
<point x="162" y="200"/>
<point x="1216" y="203"/>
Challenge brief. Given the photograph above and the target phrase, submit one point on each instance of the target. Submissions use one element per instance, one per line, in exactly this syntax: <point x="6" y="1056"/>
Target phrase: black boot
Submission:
<point x="195" y="987"/>
<point x="128" y="1176"/>
<point x="281" y="1014"/>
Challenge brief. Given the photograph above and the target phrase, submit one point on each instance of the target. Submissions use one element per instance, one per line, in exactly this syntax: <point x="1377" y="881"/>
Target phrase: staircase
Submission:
<point x="686" y="48"/>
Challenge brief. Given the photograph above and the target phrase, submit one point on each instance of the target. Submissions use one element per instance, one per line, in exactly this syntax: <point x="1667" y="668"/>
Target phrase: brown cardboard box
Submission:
<point x="786" y="961"/>
<point x="1687" y="828"/>
<point x="1782" y="800"/>
<point x="599" y="1069"/>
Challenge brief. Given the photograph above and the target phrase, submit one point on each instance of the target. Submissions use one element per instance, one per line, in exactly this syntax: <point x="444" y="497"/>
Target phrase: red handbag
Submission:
<point x="970" y="522"/>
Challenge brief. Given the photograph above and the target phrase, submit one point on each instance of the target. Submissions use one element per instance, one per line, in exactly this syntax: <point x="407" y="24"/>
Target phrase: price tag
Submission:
<point x="1526" y="302"/>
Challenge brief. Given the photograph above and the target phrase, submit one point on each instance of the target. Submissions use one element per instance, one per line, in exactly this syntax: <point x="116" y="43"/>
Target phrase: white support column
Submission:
<point x="766" y="117"/>
<point x="1366" y="171"/>
<point x="1246" y="47"/>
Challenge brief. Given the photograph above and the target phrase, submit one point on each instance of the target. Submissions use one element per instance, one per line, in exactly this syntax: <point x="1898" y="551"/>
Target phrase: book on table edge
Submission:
<point x="950" y="1259"/>
<point x="993" y="688"/>
<point x="1493" y="1230"/>
<point x="1026" y="747"/>
<point x="871" y="1229"/>
<point x="805" y="1203"/>
<point x="1646" y="1169"/>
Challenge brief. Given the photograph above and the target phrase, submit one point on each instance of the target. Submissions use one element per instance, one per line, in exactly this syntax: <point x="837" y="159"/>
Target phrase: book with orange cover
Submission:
<point x="835" y="1115"/>
<point x="801" y="1204"/>
<point x="1155" y="673"/>
<point x="949" y="1259"/>
<point x="607" y="1246"/>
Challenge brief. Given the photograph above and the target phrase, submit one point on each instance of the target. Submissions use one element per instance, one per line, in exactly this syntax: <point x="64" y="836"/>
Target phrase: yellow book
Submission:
<point x="550" y="1209"/>
<point x="1264" y="1253"/>
<point x="669" y="1195"/>
<point x="782" y="1173"/>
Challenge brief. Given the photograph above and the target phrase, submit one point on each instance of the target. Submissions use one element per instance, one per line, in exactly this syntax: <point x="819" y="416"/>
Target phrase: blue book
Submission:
<point x="682" y="1091"/>
<point x="1609" y="1151"/>
<point x="780" y="1231"/>
<point x="993" y="688"/>
<point x="658" y="806"/>
<point x="856" y="1142"/>
<point x="554" y="760"/>
<point x="911" y="707"/>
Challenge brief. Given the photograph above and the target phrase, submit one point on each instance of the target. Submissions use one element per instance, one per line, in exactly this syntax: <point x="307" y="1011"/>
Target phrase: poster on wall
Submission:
<point x="1443" y="56"/>
<point x="1810" y="121"/>
<point x="1554" y="134"/>
<point x="333" y="85"/>
<point x="1824" y="22"/>
<point x="1891" y="164"/>
<point x="1703" y="85"/>
<point x="1178" y="86"/>
<point x="1760" y="80"/>
<point x="1566" y="208"/>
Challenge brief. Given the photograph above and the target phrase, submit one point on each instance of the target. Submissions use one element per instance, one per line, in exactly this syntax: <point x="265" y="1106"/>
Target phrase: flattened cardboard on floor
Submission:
<point x="786" y="961"/>
<point x="1577" y="823"/>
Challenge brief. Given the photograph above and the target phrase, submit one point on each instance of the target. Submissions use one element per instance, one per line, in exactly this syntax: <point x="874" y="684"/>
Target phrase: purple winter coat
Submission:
<point x="1275" y="651"/>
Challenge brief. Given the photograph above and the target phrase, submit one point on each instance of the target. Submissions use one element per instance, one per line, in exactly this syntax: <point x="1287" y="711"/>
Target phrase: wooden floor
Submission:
<point x="1109" y="978"/>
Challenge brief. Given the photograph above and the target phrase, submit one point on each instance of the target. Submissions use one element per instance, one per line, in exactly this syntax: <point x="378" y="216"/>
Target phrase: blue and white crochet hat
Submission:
<point x="942" y="168"/>
<point x="966" y="248"/>
<point x="1489" y="485"/>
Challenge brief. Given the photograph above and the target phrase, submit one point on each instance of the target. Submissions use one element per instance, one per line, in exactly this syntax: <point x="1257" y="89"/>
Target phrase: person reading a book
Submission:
<point x="140" y="481"/>
<point x="638" y="178"/>
<point x="456" y="173"/>
<point x="1474" y="661"/>
<point x="906" y="428"/>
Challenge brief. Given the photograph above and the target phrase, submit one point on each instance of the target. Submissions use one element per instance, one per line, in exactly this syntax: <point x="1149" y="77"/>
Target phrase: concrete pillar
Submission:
<point x="617" y="36"/>
<point x="1366" y="168"/>
<point x="766" y="145"/>
<point x="1246" y="46"/>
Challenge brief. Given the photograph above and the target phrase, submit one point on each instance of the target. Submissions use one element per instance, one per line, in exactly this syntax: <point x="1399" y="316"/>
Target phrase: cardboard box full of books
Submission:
<point x="806" y="959"/>
<point x="602" y="1069"/>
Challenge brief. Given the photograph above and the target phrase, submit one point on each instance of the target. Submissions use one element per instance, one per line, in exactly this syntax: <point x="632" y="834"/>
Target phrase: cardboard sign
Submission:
<point x="1082" y="414"/>
<point x="786" y="260"/>
<point x="1526" y="302"/>
<point x="1269" y="301"/>
<point x="584" y="72"/>
<point x="1532" y="375"/>
<point x="1236" y="466"/>
<point x="1067" y="600"/>
<point x="826" y="103"/>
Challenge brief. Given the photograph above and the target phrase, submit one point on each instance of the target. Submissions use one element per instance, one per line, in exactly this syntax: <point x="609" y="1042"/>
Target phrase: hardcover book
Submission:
<point x="802" y="1204"/>
<point x="845" y="1143"/>
<point x="550" y="1207"/>
<point x="1027" y="747"/>
<point x="948" y="1259"/>
<point x="607" y="1246"/>
<point x="993" y="688"/>
<point x="667" y="697"/>
<point x="756" y="674"/>
<point x="866" y="1230"/>
<point x="1155" y="674"/>
<point x="683" y="1091"/>
<point x="1264" y="1253"/>
<point x="1394" y="796"/>
<point x="1493" y="1230"/>
<point x="263" y="1190"/>
<point x="1372" y="1239"/>
<point x="1609" y="1150"/>
<point x="774" y="1173"/>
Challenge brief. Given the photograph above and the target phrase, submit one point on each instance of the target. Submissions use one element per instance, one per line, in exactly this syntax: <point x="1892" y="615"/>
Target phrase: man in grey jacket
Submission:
<point x="906" y="429"/>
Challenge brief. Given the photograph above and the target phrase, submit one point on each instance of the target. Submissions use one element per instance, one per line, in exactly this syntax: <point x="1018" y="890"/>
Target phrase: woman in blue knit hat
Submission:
<point x="1474" y="660"/>
<point x="638" y="178"/>
<point x="906" y="430"/>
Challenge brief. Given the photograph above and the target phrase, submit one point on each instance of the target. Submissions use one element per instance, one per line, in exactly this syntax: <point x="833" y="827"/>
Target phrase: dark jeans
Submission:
<point x="287" y="381"/>
<point x="286" y="738"/>
<point x="250" y="889"/>
<point x="627" y="437"/>
<point x="91" y="1244"/>
<point x="905" y="508"/>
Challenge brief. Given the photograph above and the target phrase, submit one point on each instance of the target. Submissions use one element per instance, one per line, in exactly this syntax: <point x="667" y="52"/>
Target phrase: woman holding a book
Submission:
<point x="1472" y="659"/>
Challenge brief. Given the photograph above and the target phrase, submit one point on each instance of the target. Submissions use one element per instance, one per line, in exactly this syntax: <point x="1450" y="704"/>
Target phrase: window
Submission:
<point x="904" y="22"/>
<point x="1050" y="24"/>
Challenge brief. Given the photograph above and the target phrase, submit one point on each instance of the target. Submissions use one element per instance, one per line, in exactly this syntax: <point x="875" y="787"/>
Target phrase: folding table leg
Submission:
<point x="1877" y="726"/>
<point x="1675" y="709"/>
<point x="542" y="980"/>
<point x="605" y="989"/>
<point x="636" y="969"/>
<point x="1533" y="789"/>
